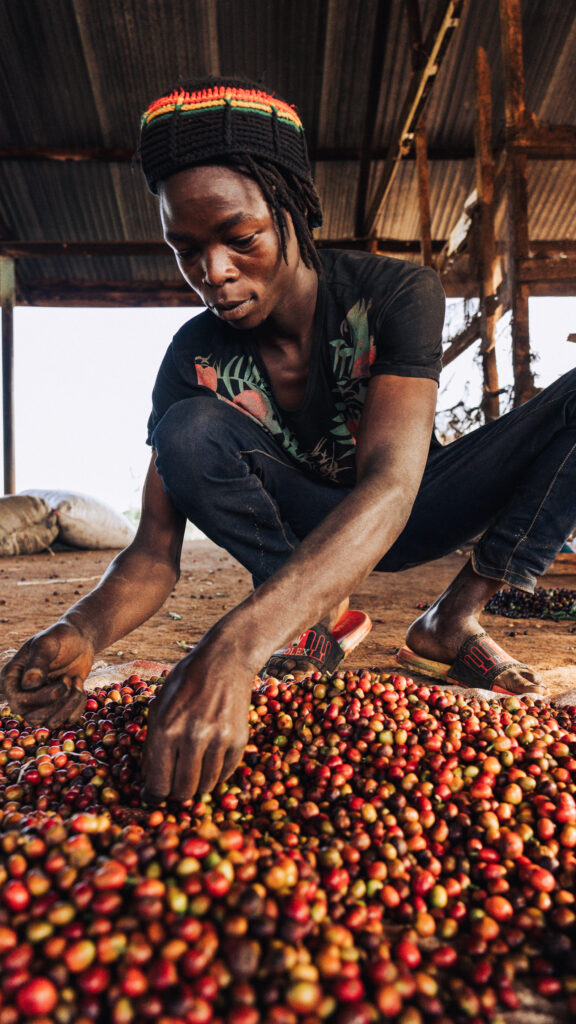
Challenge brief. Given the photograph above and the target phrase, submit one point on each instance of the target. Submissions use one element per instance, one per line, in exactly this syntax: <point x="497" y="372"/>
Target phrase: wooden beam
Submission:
<point x="553" y="289"/>
<point x="74" y="154"/>
<point x="374" y="88"/>
<point x="546" y="269"/>
<point x="547" y="247"/>
<point x="114" y="247"/>
<point x="42" y="250"/>
<point x="517" y="192"/>
<point x="118" y="155"/>
<point x="106" y="293"/>
<point x="487" y="250"/>
<point x="545" y="278"/>
<point x="7" y="289"/>
<point x="455" y="288"/>
<point x="544" y="141"/>
<point x="550" y="142"/>
<point x="461" y="341"/>
<point x="418" y="90"/>
<point x="385" y="246"/>
<point x="423" y="193"/>
<point x="122" y="247"/>
<point x="166" y="293"/>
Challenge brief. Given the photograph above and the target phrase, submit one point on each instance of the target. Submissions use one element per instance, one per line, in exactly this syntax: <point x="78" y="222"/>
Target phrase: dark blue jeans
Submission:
<point x="511" y="482"/>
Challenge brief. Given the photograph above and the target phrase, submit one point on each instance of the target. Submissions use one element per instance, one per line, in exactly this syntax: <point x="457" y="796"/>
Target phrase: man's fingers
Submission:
<point x="23" y="701"/>
<point x="80" y="698"/>
<point x="12" y="673"/>
<point x="52" y="708"/>
<point x="36" y="668"/>
<point x="73" y="707"/>
<point x="66" y="711"/>
<point x="157" y="768"/>
<point x="33" y="678"/>
<point x="196" y="772"/>
<point x="231" y="761"/>
<point x="27" y="672"/>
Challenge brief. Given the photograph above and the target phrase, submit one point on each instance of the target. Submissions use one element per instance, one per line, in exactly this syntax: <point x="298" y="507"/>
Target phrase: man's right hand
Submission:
<point x="44" y="681"/>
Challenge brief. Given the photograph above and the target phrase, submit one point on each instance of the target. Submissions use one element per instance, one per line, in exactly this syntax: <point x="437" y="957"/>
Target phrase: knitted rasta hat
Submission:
<point x="220" y="120"/>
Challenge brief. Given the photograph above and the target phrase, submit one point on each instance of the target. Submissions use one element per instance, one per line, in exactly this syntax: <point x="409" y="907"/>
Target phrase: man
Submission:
<point x="292" y="422"/>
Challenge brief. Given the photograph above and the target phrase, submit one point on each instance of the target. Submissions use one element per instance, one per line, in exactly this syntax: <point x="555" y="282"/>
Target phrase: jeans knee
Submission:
<point x="186" y="438"/>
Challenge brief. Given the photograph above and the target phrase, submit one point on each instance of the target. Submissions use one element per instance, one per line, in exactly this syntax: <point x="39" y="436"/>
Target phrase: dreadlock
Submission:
<point x="285" y="193"/>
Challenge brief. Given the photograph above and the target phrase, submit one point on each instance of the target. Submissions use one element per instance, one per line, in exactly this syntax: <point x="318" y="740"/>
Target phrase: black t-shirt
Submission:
<point x="374" y="315"/>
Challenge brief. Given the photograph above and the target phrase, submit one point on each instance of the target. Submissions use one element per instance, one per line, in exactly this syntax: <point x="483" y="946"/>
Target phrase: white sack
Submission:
<point x="86" y="522"/>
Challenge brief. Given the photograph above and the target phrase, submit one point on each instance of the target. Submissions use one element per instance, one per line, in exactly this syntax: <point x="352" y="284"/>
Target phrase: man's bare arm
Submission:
<point x="140" y="578"/>
<point x="44" y="680"/>
<point x="198" y="727"/>
<point x="337" y="556"/>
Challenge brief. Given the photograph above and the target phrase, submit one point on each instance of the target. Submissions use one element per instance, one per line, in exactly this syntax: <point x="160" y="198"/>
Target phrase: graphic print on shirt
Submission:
<point x="240" y="382"/>
<point x="353" y="355"/>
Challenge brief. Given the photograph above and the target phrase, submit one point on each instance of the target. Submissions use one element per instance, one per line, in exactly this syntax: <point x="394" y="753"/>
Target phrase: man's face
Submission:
<point x="218" y="224"/>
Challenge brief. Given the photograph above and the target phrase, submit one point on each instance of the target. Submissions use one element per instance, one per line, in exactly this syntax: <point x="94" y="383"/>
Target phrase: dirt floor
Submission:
<point x="35" y="590"/>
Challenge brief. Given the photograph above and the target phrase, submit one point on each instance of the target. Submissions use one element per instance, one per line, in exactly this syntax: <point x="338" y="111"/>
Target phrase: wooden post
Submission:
<point x="7" y="303"/>
<point x="487" y="249"/>
<point x="518" y="243"/>
<point x="423" y="192"/>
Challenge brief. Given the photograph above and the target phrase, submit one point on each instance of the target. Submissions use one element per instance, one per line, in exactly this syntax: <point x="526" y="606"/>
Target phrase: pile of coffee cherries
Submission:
<point x="385" y="851"/>
<point x="554" y="603"/>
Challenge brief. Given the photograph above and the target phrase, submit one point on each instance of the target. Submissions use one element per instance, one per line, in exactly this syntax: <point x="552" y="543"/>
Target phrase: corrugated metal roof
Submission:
<point x="76" y="74"/>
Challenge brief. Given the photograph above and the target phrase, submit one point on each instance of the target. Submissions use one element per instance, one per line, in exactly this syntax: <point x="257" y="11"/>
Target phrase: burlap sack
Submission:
<point x="87" y="522"/>
<point x="27" y="525"/>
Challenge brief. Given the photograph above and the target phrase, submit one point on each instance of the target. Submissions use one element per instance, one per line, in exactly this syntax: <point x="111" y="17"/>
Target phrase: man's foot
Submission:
<point x="322" y="647"/>
<point x="444" y="631"/>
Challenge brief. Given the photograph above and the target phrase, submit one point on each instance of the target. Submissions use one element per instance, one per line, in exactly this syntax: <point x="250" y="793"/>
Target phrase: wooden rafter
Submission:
<point x="106" y="293"/>
<point x="74" y="154"/>
<point x="544" y="141"/>
<point x="113" y="247"/>
<point x="172" y="293"/>
<point x="463" y="340"/>
<point x="120" y="247"/>
<point x="421" y="82"/>
<point x="320" y="154"/>
<point x="375" y="83"/>
<point x="543" y="268"/>
<point x="534" y="268"/>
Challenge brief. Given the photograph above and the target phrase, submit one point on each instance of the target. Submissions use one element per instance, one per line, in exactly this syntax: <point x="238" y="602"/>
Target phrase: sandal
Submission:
<point x="478" y="663"/>
<point x="324" y="649"/>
